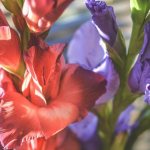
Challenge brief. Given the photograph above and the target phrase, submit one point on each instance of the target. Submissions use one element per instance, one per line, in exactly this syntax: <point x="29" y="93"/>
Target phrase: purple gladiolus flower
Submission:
<point x="139" y="79"/>
<point x="104" y="19"/>
<point x="85" y="128"/>
<point x="86" y="132"/>
<point x="124" y="123"/>
<point x="86" y="50"/>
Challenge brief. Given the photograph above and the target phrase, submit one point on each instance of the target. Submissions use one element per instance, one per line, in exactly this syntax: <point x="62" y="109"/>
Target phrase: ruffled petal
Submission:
<point x="45" y="67"/>
<point x="18" y="120"/>
<point x="79" y="89"/>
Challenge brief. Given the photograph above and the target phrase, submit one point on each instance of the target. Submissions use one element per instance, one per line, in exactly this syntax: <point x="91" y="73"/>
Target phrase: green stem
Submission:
<point x="134" y="46"/>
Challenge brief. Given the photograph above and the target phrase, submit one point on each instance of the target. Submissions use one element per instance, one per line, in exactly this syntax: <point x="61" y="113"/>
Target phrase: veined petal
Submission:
<point x="45" y="66"/>
<point x="18" y="120"/>
<point x="79" y="89"/>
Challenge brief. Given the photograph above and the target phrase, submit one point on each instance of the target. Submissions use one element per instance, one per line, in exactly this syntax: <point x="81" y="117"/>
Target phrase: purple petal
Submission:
<point x="134" y="77"/>
<point x="147" y="94"/>
<point x="108" y="71"/>
<point x="124" y="124"/>
<point x="86" y="128"/>
<point x="84" y="48"/>
<point x="140" y="74"/>
<point x="104" y="19"/>
<point x="145" y="52"/>
<point x="89" y="53"/>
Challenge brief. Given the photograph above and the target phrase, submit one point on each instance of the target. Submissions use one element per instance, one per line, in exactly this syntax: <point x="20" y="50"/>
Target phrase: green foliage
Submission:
<point x="139" y="10"/>
<point x="12" y="6"/>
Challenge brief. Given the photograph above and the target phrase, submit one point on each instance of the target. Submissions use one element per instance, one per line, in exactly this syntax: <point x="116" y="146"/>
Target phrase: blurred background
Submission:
<point x="75" y="15"/>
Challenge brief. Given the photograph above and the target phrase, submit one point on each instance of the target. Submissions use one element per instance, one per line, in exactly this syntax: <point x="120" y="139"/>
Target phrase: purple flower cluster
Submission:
<point x="139" y="79"/>
<point x="87" y="49"/>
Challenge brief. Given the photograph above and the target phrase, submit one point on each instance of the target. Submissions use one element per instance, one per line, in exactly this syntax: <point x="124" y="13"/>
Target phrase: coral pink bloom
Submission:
<point x="40" y="15"/>
<point x="10" y="53"/>
<point x="75" y="91"/>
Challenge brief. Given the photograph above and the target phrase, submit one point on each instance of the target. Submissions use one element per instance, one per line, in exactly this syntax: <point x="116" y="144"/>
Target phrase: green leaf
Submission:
<point x="147" y="17"/>
<point x="20" y="2"/>
<point x="117" y="60"/>
<point x="12" y="6"/>
<point x="119" y="45"/>
<point x="25" y="39"/>
<point x="139" y="10"/>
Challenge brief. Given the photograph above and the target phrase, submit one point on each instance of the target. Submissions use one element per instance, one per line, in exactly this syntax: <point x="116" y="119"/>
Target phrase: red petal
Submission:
<point x="6" y="85"/>
<point x="45" y="66"/>
<point x="10" y="53"/>
<point x="5" y="33"/>
<point x="3" y="21"/>
<point x="57" y="11"/>
<point x="66" y="140"/>
<point x="33" y="12"/>
<point x="81" y="87"/>
<point x="18" y="120"/>
<point x="56" y="117"/>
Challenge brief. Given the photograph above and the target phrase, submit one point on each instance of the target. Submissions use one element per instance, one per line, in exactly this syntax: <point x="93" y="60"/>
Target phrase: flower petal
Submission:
<point x="107" y="70"/>
<point x="10" y="53"/>
<point x="45" y="66"/>
<point x="107" y="27"/>
<point x="84" y="47"/>
<point x="41" y="15"/>
<point x="18" y="120"/>
<point x="86" y="128"/>
<point x="3" y="21"/>
<point x="6" y="84"/>
<point x="56" y="116"/>
<point x="88" y="53"/>
<point x="81" y="87"/>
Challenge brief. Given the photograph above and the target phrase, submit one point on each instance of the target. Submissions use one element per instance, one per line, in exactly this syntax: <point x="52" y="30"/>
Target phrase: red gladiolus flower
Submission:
<point x="55" y="95"/>
<point x="10" y="53"/>
<point x="40" y="15"/>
